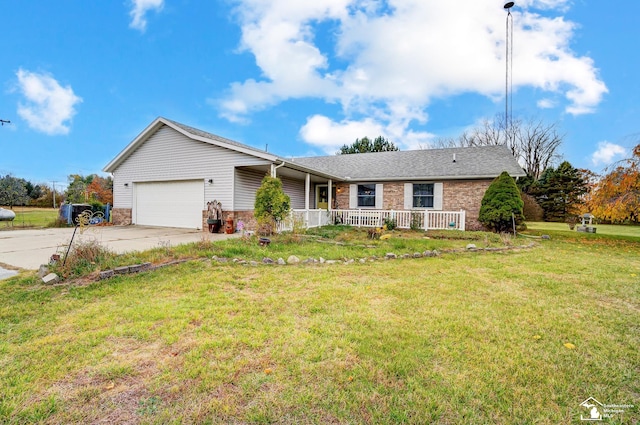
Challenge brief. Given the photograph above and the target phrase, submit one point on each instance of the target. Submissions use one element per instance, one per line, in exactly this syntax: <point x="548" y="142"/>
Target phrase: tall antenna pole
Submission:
<point x="508" y="83"/>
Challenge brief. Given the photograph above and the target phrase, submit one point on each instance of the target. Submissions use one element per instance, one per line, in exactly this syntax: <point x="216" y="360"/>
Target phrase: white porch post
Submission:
<point x="307" y="193"/>
<point x="329" y="188"/>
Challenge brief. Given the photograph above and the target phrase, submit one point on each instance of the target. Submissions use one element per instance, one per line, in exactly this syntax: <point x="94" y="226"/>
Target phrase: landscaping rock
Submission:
<point x="322" y="260"/>
<point x="362" y="261"/>
<point x="293" y="260"/>
<point x="43" y="271"/>
<point x="330" y="262"/>
<point x="546" y="237"/>
<point x="267" y="260"/>
<point x="435" y="253"/>
<point x="427" y="253"/>
<point x="106" y="274"/>
<point x="406" y="255"/>
<point x="136" y="268"/>
<point x="146" y="266"/>
<point x="309" y="261"/>
<point x="253" y="263"/>
<point x="351" y="261"/>
<point x="471" y="246"/>
<point x="390" y="256"/>
<point x="50" y="279"/>
<point x="417" y="255"/>
<point x="281" y="262"/>
<point x="121" y="270"/>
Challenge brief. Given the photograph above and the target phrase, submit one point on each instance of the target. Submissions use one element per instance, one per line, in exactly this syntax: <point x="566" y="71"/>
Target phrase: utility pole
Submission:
<point x="54" y="195"/>
<point x="3" y="122"/>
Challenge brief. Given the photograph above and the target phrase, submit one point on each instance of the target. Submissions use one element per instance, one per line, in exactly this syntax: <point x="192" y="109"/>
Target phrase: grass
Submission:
<point x="603" y="229"/>
<point x="29" y="217"/>
<point x="462" y="338"/>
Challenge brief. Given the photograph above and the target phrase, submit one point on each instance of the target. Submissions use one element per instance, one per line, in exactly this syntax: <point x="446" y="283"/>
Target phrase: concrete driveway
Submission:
<point x="28" y="249"/>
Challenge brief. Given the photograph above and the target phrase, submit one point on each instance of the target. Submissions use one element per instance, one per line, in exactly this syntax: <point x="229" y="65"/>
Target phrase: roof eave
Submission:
<point x="422" y="178"/>
<point x="158" y="122"/>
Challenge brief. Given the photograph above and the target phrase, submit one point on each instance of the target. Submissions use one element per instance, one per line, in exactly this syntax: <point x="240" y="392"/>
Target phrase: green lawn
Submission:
<point x="31" y="217"/>
<point x="522" y="336"/>
<point x="604" y="229"/>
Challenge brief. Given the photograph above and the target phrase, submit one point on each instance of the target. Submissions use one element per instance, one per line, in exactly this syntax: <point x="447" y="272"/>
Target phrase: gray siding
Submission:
<point x="169" y="155"/>
<point x="248" y="182"/>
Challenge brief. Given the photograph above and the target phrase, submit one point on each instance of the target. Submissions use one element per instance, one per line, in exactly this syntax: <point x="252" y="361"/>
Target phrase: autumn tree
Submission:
<point x="616" y="197"/>
<point x="101" y="189"/>
<point x="379" y="144"/>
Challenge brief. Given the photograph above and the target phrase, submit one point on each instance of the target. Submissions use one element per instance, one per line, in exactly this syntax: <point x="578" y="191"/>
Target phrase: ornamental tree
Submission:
<point x="616" y="197"/>
<point x="272" y="204"/>
<point x="500" y="203"/>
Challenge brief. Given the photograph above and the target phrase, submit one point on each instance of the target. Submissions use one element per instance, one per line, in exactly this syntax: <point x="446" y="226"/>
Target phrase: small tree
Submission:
<point x="12" y="191"/>
<point x="501" y="201"/>
<point x="272" y="204"/>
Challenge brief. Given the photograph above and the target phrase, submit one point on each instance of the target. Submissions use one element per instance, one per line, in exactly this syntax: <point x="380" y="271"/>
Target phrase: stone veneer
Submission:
<point x="246" y="216"/>
<point x="121" y="216"/>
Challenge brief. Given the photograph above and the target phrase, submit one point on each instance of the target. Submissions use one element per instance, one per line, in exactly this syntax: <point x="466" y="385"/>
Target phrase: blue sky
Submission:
<point x="80" y="80"/>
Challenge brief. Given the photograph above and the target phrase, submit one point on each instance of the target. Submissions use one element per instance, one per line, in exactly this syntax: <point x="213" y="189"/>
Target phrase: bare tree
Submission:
<point x="533" y="143"/>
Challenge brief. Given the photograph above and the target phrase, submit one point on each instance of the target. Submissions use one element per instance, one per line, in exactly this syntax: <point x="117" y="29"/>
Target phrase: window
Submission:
<point x="366" y="195"/>
<point x="423" y="195"/>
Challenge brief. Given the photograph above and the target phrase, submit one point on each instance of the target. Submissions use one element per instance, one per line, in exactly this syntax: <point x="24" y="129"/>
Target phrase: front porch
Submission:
<point x="407" y="219"/>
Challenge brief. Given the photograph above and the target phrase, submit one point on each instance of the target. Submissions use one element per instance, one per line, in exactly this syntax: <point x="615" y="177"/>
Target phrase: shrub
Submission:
<point x="83" y="258"/>
<point x="271" y="205"/>
<point x="389" y="223"/>
<point x="500" y="203"/>
<point x="531" y="210"/>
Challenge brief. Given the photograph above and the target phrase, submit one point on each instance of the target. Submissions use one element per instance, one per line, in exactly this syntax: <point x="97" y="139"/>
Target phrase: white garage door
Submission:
<point x="169" y="204"/>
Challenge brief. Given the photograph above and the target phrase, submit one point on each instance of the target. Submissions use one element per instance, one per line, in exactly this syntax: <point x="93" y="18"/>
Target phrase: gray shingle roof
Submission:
<point x="473" y="162"/>
<point x="212" y="136"/>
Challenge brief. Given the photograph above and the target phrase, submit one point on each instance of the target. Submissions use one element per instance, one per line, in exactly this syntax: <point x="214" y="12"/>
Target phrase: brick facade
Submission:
<point x="457" y="195"/>
<point x="466" y="195"/>
<point x="121" y="216"/>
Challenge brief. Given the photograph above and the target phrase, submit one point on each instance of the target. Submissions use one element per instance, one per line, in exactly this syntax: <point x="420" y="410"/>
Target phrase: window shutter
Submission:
<point x="408" y="196"/>
<point x="379" y="199"/>
<point x="353" y="196"/>
<point x="437" y="196"/>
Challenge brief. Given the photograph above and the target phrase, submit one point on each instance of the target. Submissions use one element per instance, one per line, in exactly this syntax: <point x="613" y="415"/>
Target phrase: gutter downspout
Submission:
<point x="274" y="168"/>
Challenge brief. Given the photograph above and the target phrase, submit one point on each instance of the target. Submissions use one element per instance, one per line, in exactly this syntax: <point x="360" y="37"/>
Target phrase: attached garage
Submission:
<point x="169" y="203"/>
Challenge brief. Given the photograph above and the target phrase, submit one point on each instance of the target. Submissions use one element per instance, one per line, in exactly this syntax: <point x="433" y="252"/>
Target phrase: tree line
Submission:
<point x="92" y="189"/>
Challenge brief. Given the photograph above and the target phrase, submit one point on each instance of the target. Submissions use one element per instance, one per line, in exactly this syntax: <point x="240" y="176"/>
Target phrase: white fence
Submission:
<point x="418" y="219"/>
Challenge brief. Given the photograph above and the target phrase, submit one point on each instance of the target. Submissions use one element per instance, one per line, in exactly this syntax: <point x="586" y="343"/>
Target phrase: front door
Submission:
<point x="322" y="196"/>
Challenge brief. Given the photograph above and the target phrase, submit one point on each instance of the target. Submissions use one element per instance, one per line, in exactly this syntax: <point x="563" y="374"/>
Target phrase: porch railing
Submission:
<point x="416" y="219"/>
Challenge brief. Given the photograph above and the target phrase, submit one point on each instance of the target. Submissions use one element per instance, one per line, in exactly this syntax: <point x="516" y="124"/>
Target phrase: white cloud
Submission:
<point x="546" y="103"/>
<point x="607" y="152"/>
<point x="48" y="106"/>
<point x="139" y="10"/>
<point x="389" y="59"/>
<point x="328" y="135"/>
